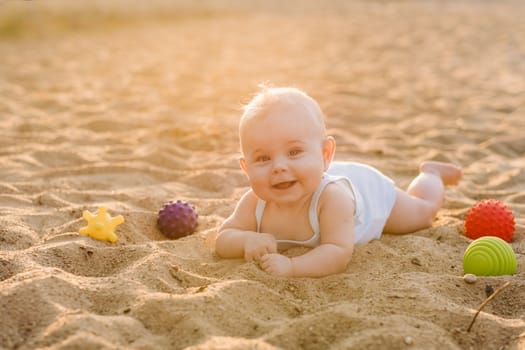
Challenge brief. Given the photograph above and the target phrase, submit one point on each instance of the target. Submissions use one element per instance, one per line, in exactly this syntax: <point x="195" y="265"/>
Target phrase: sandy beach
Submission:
<point x="132" y="105"/>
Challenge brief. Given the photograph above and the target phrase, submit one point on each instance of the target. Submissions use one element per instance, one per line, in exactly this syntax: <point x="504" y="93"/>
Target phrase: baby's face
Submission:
<point x="283" y="153"/>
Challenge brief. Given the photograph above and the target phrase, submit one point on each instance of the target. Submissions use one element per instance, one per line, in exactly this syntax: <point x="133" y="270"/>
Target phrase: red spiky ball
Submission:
<point x="490" y="217"/>
<point x="177" y="219"/>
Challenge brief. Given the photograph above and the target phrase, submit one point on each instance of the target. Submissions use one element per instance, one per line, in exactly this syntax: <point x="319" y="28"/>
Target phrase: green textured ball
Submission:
<point x="489" y="256"/>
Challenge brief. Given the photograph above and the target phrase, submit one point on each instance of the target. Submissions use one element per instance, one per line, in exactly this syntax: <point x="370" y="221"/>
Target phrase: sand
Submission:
<point x="131" y="112"/>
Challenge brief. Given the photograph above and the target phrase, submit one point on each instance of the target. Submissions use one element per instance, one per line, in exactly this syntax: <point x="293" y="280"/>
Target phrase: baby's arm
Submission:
<point x="237" y="237"/>
<point x="336" y="221"/>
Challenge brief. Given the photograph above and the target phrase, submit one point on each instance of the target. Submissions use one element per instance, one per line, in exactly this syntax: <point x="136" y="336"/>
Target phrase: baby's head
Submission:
<point x="271" y="99"/>
<point x="284" y="147"/>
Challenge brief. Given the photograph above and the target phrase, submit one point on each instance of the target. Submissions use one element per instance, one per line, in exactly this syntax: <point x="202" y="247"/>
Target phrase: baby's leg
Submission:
<point x="416" y="208"/>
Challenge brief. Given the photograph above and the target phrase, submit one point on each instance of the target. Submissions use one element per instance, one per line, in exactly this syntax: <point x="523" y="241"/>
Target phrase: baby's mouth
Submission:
<point x="284" y="185"/>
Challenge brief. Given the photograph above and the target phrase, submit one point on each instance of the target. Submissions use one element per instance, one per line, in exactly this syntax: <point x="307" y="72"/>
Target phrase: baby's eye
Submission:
<point x="295" y="152"/>
<point x="261" y="159"/>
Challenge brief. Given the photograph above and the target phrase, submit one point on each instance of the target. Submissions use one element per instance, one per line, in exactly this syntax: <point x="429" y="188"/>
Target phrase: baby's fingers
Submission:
<point x="266" y="262"/>
<point x="255" y="255"/>
<point x="252" y="257"/>
<point x="271" y="249"/>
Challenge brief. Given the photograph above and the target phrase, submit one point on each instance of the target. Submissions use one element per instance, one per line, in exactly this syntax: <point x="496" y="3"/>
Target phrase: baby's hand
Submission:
<point x="259" y="244"/>
<point x="276" y="264"/>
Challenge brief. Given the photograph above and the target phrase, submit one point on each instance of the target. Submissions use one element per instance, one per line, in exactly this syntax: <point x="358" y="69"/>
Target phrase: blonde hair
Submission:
<point x="270" y="97"/>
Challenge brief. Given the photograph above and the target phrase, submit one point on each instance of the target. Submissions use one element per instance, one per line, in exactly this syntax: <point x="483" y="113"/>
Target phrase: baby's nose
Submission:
<point x="279" y="165"/>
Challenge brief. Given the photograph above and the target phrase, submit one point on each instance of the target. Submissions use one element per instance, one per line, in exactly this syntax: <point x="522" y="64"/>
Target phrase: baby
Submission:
<point x="300" y="197"/>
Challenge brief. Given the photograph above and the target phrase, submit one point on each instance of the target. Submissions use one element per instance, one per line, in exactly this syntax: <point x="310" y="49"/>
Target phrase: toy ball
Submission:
<point x="490" y="217"/>
<point x="489" y="256"/>
<point x="177" y="219"/>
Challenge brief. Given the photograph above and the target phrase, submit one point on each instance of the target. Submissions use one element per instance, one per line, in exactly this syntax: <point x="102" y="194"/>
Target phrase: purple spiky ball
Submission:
<point x="177" y="219"/>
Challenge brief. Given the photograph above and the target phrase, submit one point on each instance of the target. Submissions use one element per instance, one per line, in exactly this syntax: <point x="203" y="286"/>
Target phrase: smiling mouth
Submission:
<point x="284" y="185"/>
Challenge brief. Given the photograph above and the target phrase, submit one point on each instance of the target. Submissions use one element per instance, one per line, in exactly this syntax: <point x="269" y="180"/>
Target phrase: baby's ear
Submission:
<point x="328" y="151"/>
<point x="242" y="163"/>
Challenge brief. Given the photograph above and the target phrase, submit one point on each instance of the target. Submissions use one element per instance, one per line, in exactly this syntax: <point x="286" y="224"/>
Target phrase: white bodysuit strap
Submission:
<point x="314" y="204"/>
<point x="259" y="210"/>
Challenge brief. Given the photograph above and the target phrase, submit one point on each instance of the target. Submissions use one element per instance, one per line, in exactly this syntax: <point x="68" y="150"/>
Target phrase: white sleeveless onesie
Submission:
<point x="374" y="195"/>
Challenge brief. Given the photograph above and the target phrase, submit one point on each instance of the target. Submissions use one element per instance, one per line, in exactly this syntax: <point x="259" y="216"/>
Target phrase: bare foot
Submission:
<point x="450" y="174"/>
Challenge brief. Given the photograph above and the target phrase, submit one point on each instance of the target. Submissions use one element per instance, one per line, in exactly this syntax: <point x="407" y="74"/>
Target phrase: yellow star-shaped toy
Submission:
<point x="101" y="226"/>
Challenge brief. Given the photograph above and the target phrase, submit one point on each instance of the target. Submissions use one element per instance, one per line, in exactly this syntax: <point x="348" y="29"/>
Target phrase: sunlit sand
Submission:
<point x="128" y="107"/>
